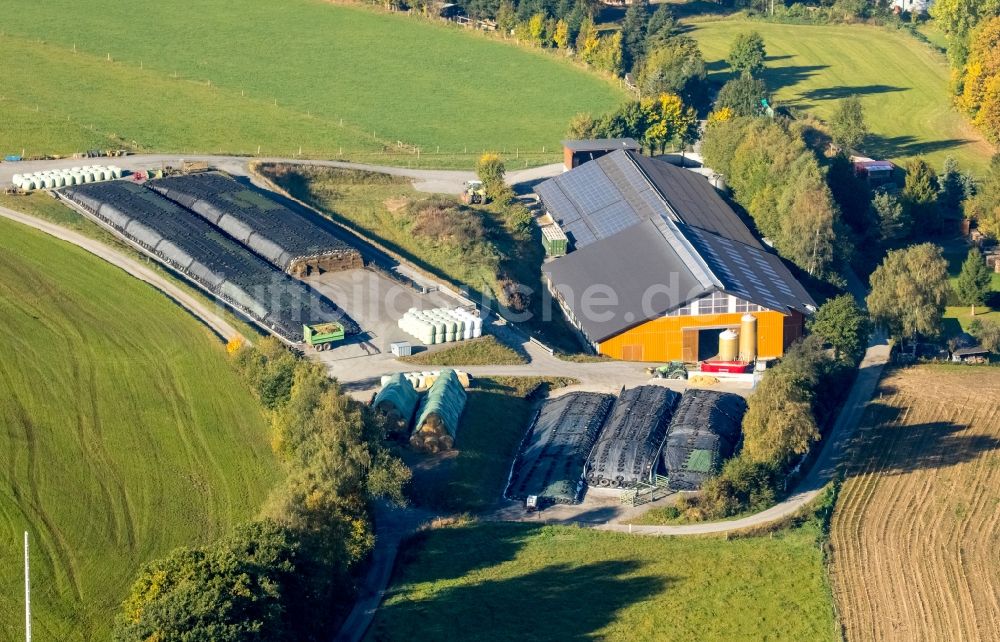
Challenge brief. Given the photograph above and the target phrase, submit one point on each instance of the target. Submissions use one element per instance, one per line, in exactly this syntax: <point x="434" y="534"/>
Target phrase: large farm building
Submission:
<point x="660" y="265"/>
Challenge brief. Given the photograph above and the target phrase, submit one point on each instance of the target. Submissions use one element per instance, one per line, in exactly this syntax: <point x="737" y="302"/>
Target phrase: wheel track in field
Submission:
<point x="58" y="549"/>
<point x="183" y="418"/>
<point x="110" y="480"/>
<point x="928" y="574"/>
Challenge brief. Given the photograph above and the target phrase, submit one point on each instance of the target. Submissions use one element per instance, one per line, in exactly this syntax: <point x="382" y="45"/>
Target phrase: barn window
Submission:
<point x="716" y="303"/>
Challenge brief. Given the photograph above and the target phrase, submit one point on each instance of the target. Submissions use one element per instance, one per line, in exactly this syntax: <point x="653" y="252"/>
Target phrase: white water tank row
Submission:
<point x="441" y="325"/>
<point x="54" y="178"/>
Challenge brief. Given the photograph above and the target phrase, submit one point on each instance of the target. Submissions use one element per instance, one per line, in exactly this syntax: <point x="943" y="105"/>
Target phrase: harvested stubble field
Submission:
<point x="915" y="533"/>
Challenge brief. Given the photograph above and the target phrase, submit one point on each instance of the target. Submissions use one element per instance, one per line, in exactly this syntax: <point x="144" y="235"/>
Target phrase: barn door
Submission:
<point x="689" y="346"/>
<point x="632" y="353"/>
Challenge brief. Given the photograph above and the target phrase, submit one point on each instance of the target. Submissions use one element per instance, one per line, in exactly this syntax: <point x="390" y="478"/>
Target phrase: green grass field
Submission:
<point x="229" y="76"/>
<point x="126" y="434"/>
<point x="902" y="83"/>
<point x="505" y="581"/>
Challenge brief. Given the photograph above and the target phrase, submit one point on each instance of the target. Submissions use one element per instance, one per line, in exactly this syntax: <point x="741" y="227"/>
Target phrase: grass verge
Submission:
<point x="484" y="351"/>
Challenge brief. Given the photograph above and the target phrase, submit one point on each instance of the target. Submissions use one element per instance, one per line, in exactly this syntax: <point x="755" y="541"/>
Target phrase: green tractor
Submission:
<point x="673" y="370"/>
<point x="474" y="194"/>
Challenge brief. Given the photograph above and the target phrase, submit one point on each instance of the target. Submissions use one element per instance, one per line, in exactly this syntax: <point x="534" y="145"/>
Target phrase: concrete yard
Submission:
<point x="376" y="303"/>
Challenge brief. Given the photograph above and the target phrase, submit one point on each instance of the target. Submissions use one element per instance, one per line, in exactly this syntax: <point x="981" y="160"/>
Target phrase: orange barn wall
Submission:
<point x="661" y="338"/>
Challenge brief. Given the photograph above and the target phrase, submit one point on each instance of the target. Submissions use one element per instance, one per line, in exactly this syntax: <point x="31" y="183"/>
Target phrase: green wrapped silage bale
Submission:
<point x="398" y="401"/>
<point x="439" y="414"/>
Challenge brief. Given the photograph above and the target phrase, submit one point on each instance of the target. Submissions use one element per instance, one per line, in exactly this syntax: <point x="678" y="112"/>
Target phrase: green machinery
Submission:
<point x="673" y="370"/>
<point x="474" y="194"/>
<point x="322" y="336"/>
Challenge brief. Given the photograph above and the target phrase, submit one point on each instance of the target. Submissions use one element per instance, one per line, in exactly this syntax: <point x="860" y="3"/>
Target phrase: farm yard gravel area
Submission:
<point x="916" y="531"/>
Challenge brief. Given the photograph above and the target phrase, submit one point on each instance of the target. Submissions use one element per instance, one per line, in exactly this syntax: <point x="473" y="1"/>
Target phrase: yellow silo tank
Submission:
<point x="748" y="337"/>
<point x="728" y="345"/>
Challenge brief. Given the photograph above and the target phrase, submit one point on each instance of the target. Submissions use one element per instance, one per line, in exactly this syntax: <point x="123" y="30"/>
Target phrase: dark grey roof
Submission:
<point x="601" y="144"/>
<point x="971" y="352"/>
<point x="694" y="200"/>
<point x="639" y="224"/>
<point x="602" y="197"/>
<point x="635" y="265"/>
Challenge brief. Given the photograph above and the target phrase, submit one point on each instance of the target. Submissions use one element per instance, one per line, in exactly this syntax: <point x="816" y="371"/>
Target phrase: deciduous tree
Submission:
<point x="984" y="206"/>
<point x="561" y="35"/>
<point x="908" y="291"/>
<point x="747" y="55"/>
<point x="742" y="95"/>
<point x="848" y="124"/>
<point x="987" y="333"/>
<point x="779" y="422"/>
<point x="491" y="171"/>
<point x="506" y="17"/>
<point x="588" y="40"/>
<point x="668" y="120"/>
<point x="608" y="55"/>
<point x="676" y="67"/>
<point x="582" y="126"/>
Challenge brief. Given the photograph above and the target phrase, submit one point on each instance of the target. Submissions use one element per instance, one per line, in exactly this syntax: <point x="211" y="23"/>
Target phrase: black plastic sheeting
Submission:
<point x="187" y="243"/>
<point x="554" y="451"/>
<point x="267" y="227"/>
<point x="628" y="449"/>
<point x="705" y="421"/>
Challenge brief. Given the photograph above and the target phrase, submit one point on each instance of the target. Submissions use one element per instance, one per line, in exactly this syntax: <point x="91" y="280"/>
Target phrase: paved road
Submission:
<point x="425" y="180"/>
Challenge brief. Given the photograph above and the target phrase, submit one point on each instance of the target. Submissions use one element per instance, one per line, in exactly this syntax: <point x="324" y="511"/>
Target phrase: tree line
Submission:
<point x="972" y="28"/>
<point x="287" y="575"/>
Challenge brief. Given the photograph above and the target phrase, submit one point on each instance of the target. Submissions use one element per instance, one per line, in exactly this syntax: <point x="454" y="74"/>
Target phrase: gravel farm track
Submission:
<point x="915" y="534"/>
